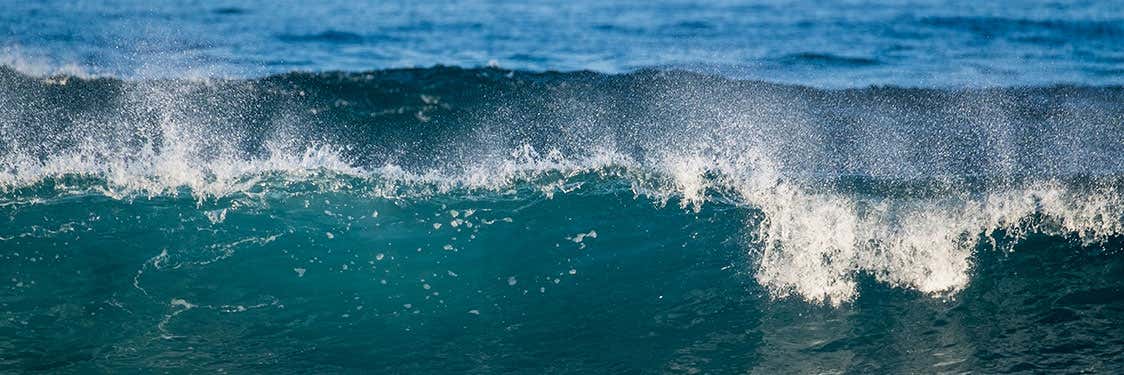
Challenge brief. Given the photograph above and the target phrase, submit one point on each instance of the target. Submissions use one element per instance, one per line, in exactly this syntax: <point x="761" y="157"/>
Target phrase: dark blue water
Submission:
<point x="836" y="44"/>
<point x="570" y="187"/>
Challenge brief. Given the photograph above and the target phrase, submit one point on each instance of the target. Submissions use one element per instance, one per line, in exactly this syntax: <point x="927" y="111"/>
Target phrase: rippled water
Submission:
<point x="834" y="44"/>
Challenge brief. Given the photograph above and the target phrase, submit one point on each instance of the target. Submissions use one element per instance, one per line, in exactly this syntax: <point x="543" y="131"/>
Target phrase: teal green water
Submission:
<point x="291" y="276"/>
<point x="337" y="281"/>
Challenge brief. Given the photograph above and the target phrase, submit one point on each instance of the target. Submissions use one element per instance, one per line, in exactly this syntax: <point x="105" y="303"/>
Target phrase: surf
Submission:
<point x="902" y="185"/>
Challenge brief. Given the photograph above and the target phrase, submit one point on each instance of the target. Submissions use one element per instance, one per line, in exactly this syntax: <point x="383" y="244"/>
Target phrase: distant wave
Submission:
<point x="230" y="11"/>
<point x="332" y="36"/>
<point x="827" y="59"/>
<point x="1060" y="29"/>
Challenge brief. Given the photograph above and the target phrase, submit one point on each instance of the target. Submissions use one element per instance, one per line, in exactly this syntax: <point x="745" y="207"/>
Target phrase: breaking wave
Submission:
<point x="903" y="185"/>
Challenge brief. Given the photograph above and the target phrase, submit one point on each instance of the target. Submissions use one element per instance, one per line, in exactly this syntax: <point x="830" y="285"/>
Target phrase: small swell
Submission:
<point x="827" y="59"/>
<point x="1059" y="29"/>
<point x="230" y="11"/>
<point x="329" y="36"/>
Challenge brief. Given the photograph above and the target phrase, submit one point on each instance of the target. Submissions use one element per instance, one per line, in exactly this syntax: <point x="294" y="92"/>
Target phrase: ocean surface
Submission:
<point x="561" y="187"/>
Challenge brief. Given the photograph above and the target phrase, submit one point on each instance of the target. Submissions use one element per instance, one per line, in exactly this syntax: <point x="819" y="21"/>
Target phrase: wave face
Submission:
<point x="663" y="220"/>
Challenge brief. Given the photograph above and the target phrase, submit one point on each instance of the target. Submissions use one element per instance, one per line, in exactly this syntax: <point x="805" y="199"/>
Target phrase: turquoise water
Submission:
<point x="574" y="188"/>
<point x="306" y="280"/>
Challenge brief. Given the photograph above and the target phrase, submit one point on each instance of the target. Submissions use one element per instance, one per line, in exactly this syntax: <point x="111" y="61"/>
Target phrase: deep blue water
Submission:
<point x="567" y="187"/>
<point x="836" y="44"/>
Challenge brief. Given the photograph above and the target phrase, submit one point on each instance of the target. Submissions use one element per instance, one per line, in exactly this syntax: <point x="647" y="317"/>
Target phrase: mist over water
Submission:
<point x="691" y="203"/>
